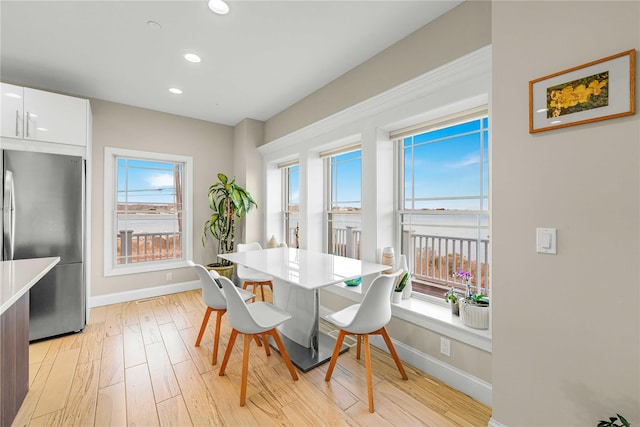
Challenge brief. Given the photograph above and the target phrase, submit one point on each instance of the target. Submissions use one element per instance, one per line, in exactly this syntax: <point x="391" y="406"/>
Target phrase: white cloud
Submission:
<point x="470" y="160"/>
<point x="160" y="180"/>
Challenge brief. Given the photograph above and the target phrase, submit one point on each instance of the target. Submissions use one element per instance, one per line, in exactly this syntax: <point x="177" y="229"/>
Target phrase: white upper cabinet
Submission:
<point x="11" y="101"/>
<point x="44" y="116"/>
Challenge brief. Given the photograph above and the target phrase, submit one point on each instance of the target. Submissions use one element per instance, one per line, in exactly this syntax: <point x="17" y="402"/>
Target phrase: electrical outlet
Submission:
<point x="169" y="276"/>
<point x="445" y="346"/>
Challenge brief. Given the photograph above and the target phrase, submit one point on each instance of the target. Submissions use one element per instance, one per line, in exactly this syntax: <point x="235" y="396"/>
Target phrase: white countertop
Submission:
<point x="307" y="269"/>
<point x="17" y="277"/>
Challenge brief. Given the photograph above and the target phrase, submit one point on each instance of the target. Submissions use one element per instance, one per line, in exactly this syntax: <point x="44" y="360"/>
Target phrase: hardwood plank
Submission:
<point x="201" y="356"/>
<point x="130" y="313"/>
<point x="163" y="380"/>
<point x="52" y="419"/>
<point x="177" y="312"/>
<point x="38" y="351"/>
<point x="112" y="366"/>
<point x="113" y="320"/>
<point x="97" y="314"/>
<point x="111" y="406"/>
<point x="56" y="390"/>
<point x="173" y="343"/>
<point x="133" y="346"/>
<point x="33" y="396"/>
<point x="229" y="408"/>
<point x="141" y="405"/>
<point x="161" y="311"/>
<point x="202" y="406"/>
<point x="148" y="324"/>
<point x="80" y="408"/>
<point x="91" y="349"/>
<point x="173" y="412"/>
<point x="299" y="414"/>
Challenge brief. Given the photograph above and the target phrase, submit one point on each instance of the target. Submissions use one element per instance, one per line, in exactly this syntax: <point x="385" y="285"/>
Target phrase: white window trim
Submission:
<point x="110" y="154"/>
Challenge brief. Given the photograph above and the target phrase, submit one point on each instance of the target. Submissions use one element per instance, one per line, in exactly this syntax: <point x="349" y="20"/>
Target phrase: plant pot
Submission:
<point x="396" y="297"/>
<point x="223" y="270"/>
<point x="455" y="308"/>
<point x="474" y="316"/>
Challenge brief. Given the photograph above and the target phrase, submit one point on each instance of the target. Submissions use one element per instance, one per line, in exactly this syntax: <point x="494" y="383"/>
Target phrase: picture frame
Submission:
<point x="599" y="90"/>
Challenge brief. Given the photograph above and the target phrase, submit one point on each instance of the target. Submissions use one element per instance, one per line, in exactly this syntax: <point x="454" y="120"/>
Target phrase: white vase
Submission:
<point x="388" y="258"/>
<point x="396" y="297"/>
<point x="402" y="265"/>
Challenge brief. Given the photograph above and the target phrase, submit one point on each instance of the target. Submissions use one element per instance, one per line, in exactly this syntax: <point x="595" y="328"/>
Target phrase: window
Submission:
<point x="291" y="208"/>
<point x="444" y="209"/>
<point x="344" y="203"/>
<point x="148" y="225"/>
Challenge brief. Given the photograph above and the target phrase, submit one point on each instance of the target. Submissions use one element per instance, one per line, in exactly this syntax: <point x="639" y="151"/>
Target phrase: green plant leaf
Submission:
<point x="623" y="420"/>
<point x="222" y="178"/>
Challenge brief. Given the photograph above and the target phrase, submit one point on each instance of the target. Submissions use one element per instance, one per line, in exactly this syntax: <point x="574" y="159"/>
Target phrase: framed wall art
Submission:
<point x="599" y="90"/>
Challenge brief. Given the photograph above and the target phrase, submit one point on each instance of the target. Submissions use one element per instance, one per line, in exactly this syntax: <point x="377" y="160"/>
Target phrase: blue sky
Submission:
<point x="146" y="181"/>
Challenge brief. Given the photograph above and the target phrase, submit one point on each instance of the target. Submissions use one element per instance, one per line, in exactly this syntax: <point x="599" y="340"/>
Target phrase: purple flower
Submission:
<point x="462" y="275"/>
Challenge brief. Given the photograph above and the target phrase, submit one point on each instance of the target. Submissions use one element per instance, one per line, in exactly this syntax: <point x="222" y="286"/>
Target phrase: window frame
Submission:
<point x="484" y="196"/>
<point x="286" y="201"/>
<point x="328" y="158"/>
<point x="111" y="268"/>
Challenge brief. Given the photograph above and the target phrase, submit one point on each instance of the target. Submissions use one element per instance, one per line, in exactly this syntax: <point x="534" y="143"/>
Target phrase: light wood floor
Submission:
<point x="135" y="364"/>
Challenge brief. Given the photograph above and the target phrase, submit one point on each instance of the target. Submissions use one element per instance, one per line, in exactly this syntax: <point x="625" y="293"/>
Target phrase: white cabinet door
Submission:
<point x="11" y="108"/>
<point x="53" y="117"/>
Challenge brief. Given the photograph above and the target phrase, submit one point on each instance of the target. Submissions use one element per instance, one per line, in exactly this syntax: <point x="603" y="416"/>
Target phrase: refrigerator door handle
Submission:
<point x="9" y="216"/>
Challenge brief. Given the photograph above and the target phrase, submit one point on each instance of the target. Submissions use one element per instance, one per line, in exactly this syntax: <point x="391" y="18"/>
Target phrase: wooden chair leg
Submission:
<point x="257" y="340"/>
<point x="283" y="353"/>
<point x="394" y="354"/>
<point x="367" y="359"/>
<point x="225" y="360"/>
<point x="203" y="327"/>
<point x="266" y="344"/>
<point x="358" y="337"/>
<point x="216" y="337"/>
<point x="245" y="369"/>
<point x="262" y="290"/>
<point x="335" y="354"/>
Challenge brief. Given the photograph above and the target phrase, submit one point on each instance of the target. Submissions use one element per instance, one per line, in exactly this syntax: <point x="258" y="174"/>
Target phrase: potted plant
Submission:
<point x="474" y="308"/>
<point x="396" y="297"/>
<point x="613" y="422"/>
<point x="451" y="296"/>
<point x="229" y="202"/>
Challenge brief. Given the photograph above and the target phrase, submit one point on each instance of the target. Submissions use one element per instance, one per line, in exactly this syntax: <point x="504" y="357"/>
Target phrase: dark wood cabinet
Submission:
<point x="14" y="359"/>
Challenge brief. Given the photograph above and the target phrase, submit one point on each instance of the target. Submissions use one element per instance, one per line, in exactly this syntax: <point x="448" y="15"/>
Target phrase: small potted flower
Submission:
<point x="474" y="308"/>
<point x="396" y="296"/>
<point x="451" y="296"/>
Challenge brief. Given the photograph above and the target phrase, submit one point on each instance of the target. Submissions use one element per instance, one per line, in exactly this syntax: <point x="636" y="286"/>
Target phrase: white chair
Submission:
<point x="367" y="318"/>
<point x="259" y="318"/>
<point x="249" y="276"/>
<point x="215" y="300"/>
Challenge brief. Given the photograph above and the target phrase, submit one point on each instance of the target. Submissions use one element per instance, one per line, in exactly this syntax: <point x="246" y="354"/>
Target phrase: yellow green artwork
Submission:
<point x="579" y="95"/>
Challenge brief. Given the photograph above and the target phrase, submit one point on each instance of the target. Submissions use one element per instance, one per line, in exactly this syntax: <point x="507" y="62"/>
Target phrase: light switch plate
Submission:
<point x="546" y="240"/>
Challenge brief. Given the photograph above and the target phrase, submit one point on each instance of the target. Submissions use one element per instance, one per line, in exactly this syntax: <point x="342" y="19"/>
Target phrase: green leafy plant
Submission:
<point x="402" y="283"/>
<point x="613" y="422"/>
<point x="229" y="202"/>
<point x="451" y="296"/>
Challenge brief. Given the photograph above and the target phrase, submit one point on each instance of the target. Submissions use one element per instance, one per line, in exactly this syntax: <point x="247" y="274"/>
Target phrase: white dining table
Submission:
<point x="298" y="275"/>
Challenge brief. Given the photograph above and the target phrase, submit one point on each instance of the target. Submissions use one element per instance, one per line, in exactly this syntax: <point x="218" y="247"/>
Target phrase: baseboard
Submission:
<point x="494" y="423"/>
<point x="137" y="294"/>
<point x="452" y="376"/>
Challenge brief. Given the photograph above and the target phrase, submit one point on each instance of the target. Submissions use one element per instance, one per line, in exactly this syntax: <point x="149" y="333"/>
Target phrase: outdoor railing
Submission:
<point x="437" y="258"/>
<point x="138" y="247"/>
<point x="345" y="242"/>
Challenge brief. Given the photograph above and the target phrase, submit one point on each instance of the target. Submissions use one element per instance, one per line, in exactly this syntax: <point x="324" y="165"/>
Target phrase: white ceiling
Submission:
<point x="256" y="61"/>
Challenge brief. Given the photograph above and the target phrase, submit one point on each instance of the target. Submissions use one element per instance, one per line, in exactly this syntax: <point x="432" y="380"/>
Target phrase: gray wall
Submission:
<point x="565" y="327"/>
<point x="123" y="126"/>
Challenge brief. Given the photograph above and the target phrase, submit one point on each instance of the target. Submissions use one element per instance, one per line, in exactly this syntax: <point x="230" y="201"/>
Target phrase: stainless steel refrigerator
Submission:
<point x="43" y="216"/>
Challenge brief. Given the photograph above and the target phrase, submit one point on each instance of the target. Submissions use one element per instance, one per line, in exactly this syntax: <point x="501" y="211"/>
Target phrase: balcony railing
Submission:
<point x="140" y="247"/>
<point x="345" y="242"/>
<point x="437" y="258"/>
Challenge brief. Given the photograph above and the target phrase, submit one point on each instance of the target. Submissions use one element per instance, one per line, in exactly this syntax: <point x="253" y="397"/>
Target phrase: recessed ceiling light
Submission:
<point x="219" y="7"/>
<point x="192" y="57"/>
<point x="154" y="25"/>
<point x="175" y="91"/>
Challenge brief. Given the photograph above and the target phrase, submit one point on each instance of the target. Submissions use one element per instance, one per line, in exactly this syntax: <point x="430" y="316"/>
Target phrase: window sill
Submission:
<point x="432" y="316"/>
